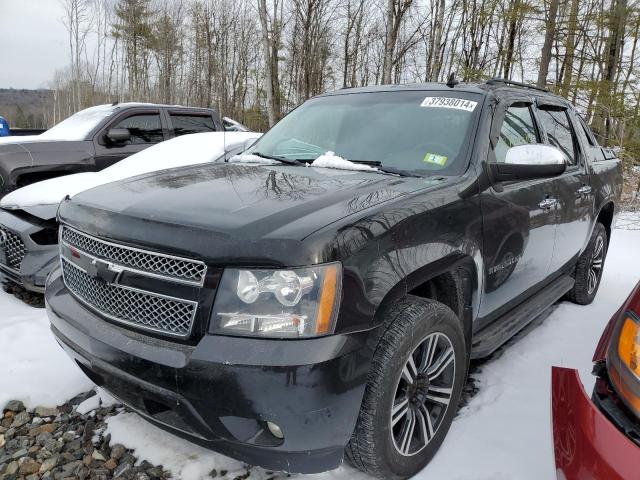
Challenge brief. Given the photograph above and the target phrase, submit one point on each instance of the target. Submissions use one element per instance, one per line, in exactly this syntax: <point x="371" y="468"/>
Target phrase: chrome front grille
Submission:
<point x="141" y="309"/>
<point x="14" y="249"/>
<point x="167" y="266"/>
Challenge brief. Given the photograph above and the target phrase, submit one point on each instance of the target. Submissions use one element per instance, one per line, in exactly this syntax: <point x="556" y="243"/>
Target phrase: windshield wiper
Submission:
<point x="378" y="164"/>
<point x="288" y="161"/>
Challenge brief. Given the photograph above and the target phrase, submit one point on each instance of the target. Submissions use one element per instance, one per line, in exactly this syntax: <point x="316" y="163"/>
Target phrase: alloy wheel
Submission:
<point x="423" y="394"/>
<point x="597" y="261"/>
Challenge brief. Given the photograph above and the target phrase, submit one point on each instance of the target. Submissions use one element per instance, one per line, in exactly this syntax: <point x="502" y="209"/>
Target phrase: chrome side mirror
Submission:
<point x="528" y="162"/>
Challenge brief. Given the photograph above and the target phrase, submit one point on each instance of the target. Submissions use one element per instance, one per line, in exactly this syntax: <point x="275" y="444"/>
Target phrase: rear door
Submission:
<point x="518" y="218"/>
<point x="146" y="129"/>
<point x="575" y="201"/>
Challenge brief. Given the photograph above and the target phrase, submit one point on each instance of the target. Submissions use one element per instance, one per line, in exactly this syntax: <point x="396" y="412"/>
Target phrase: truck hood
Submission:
<point x="36" y="144"/>
<point x="207" y="209"/>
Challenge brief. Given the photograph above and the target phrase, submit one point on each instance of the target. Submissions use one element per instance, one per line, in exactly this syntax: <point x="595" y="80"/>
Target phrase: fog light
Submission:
<point x="275" y="430"/>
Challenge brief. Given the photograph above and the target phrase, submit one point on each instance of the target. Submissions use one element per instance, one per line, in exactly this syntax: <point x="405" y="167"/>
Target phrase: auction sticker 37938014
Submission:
<point x="449" y="102"/>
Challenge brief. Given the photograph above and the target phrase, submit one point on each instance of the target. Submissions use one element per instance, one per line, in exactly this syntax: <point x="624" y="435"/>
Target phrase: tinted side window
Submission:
<point x="586" y="131"/>
<point x="186" y="124"/>
<point x="594" y="149"/>
<point x="518" y="128"/>
<point x="556" y="124"/>
<point x="144" y="128"/>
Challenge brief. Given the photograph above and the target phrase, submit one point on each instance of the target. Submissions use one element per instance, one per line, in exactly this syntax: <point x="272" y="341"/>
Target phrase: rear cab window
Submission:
<point x="589" y="140"/>
<point x="185" y="124"/>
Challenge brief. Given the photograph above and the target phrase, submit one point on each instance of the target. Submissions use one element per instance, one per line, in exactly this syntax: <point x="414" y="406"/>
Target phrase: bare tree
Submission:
<point x="271" y="28"/>
<point x="550" y="33"/>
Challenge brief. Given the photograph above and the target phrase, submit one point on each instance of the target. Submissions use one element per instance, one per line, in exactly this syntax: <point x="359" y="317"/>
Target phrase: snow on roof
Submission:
<point x="177" y="152"/>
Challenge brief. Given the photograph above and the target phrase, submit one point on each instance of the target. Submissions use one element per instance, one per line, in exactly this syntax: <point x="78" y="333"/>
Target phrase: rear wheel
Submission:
<point x="589" y="268"/>
<point x="413" y="391"/>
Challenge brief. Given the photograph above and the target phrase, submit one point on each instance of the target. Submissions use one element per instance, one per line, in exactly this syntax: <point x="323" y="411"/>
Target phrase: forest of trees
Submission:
<point x="254" y="60"/>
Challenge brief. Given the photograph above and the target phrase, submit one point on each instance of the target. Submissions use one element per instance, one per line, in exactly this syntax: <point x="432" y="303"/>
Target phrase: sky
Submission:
<point x="33" y="42"/>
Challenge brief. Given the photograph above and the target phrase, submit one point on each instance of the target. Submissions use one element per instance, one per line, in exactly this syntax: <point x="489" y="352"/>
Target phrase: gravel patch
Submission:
<point x="30" y="298"/>
<point x="61" y="443"/>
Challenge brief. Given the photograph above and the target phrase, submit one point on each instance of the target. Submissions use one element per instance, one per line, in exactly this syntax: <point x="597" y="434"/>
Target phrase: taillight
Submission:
<point x="623" y="360"/>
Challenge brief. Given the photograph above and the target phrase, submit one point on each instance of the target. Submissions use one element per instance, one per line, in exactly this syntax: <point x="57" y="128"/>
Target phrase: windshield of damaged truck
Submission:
<point x="79" y="125"/>
<point x="424" y="132"/>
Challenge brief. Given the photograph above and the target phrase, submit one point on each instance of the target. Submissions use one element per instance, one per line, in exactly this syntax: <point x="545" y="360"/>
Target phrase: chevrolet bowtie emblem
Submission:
<point x="102" y="271"/>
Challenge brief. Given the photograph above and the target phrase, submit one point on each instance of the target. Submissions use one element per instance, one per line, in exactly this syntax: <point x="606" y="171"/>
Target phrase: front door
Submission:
<point x="145" y="128"/>
<point x="518" y="218"/>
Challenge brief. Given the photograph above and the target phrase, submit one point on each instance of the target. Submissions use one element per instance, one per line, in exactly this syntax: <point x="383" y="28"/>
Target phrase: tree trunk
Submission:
<point x="606" y="96"/>
<point x="570" y="48"/>
<point x="511" y="41"/>
<point x="436" y="66"/>
<point x="266" y="52"/>
<point x="549" y="35"/>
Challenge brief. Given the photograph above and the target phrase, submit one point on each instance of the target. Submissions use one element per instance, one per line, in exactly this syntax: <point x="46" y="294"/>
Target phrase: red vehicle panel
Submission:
<point x="587" y="445"/>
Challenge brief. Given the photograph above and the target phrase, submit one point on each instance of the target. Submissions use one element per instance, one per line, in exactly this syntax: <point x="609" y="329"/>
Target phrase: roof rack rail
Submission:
<point x="494" y="81"/>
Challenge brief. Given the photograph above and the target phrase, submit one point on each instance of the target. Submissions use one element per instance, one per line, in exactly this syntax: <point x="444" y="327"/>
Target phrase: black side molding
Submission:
<point x="493" y="336"/>
<point x="510" y="172"/>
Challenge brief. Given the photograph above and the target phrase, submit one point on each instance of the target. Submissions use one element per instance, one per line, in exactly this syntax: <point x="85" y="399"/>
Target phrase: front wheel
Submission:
<point x="414" y="387"/>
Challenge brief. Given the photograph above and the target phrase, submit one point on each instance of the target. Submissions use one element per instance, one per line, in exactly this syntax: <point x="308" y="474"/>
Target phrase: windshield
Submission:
<point x="79" y="125"/>
<point x="417" y="131"/>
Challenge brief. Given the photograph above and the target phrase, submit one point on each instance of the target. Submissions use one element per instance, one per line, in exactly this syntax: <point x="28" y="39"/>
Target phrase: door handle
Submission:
<point x="548" y="203"/>
<point x="584" y="190"/>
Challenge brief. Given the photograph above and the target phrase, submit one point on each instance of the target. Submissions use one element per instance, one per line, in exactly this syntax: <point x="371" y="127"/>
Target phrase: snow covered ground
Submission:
<point x="504" y="432"/>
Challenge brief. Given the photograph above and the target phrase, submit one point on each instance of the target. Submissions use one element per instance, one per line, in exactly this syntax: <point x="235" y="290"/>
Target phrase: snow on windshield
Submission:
<point x="79" y="125"/>
<point x="331" y="160"/>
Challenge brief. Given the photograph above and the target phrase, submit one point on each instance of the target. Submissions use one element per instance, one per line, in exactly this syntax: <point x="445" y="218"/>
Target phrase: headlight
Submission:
<point x="284" y="303"/>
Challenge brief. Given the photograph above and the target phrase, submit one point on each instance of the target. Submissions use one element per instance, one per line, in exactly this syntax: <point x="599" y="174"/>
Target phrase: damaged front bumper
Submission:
<point x="221" y="391"/>
<point x="23" y="260"/>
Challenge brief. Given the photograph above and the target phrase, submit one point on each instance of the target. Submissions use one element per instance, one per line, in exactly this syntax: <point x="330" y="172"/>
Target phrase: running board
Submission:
<point x="494" y="335"/>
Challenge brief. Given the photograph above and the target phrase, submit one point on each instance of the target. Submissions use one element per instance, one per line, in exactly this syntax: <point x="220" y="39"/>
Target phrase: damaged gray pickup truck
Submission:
<point x="96" y="138"/>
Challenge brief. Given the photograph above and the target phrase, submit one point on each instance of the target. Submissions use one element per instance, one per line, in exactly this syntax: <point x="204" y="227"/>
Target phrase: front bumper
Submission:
<point x="221" y="392"/>
<point x="587" y="445"/>
<point x="38" y="260"/>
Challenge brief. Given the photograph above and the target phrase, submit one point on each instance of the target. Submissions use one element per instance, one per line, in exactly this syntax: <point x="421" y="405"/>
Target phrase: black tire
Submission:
<point x="585" y="288"/>
<point x="373" y="447"/>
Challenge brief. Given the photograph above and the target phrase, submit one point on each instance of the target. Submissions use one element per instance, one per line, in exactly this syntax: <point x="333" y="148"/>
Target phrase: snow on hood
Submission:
<point x="177" y="152"/>
<point x="331" y="160"/>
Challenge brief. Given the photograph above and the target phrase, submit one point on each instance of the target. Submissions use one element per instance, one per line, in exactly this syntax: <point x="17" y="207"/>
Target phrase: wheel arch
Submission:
<point x="28" y="176"/>
<point x="452" y="280"/>
<point x="606" y="216"/>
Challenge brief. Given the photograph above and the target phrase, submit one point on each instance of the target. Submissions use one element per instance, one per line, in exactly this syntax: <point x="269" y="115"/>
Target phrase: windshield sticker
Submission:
<point x="449" y="102"/>
<point x="435" y="159"/>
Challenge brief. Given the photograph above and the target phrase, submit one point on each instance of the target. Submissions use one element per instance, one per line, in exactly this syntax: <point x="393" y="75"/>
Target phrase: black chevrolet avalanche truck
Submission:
<point x="321" y="295"/>
<point x="96" y="138"/>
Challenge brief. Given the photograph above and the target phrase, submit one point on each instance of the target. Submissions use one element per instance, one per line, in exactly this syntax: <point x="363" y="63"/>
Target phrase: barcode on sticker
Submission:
<point x="449" y="102"/>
